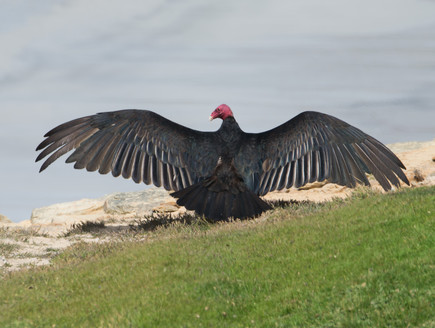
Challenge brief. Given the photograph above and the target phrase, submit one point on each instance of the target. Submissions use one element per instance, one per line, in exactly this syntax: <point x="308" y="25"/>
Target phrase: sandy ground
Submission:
<point x="23" y="246"/>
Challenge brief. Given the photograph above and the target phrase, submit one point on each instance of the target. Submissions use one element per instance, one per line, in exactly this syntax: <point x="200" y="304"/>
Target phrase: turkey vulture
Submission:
<point x="222" y="174"/>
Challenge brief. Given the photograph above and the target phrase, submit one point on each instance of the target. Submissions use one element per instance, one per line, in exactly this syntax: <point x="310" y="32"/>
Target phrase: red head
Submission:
<point x="223" y="111"/>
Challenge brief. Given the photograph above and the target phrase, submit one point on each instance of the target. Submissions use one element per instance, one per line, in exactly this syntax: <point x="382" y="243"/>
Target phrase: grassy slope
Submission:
<point x="365" y="262"/>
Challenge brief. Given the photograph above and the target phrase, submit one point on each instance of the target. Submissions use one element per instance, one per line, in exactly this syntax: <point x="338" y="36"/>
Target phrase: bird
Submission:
<point x="222" y="175"/>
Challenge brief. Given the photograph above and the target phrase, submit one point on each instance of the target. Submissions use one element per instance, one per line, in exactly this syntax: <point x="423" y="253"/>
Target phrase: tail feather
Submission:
<point x="203" y="200"/>
<point x="222" y="195"/>
<point x="217" y="209"/>
<point x="262" y="205"/>
<point x="240" y="208"/>
<point x="229" y="205"/>
<point x="220" y="205"/>
<point x="196" y="199"/>
<point x="252" y="208"/>
<point x="192" y="198"/>
<point x="208" y="204"/>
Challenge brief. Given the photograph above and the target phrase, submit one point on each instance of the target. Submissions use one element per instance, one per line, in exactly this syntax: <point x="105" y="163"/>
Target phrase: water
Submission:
<point x="365" y="63"/>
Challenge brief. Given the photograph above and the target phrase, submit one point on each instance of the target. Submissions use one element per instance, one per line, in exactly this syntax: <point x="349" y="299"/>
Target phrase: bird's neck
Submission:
<point x="230" y="132"/>
<point x="229" y="124"/>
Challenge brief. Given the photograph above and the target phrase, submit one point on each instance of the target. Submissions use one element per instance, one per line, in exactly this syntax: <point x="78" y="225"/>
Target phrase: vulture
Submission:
<point x="222" y="174"/>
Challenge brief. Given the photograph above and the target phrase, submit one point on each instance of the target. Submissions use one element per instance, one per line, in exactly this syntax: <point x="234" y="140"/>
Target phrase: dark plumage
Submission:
<point x="222" y="174"/>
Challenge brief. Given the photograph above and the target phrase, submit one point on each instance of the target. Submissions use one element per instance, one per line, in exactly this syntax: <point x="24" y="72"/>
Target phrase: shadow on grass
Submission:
<point x="85" y="227"/>
<point x="154" y="221"/>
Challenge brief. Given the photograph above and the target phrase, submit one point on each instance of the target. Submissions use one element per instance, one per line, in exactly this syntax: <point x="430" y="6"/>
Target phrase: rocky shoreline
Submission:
<point x="35" y="241"/>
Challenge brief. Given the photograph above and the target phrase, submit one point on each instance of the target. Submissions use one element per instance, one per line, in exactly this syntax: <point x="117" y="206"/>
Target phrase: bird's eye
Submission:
<point x="218" y="109"/>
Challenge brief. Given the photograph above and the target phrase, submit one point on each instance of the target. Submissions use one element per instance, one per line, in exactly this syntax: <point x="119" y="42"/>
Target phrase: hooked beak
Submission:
<point x="213" y="115"/>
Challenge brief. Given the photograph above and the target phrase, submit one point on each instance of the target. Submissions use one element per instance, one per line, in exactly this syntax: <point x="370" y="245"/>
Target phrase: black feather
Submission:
<point x="138" y="167"/>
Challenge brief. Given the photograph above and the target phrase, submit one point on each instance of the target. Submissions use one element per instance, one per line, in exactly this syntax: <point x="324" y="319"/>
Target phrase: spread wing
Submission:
<point x="134" y="143"/>
<point x="315" y="147"/>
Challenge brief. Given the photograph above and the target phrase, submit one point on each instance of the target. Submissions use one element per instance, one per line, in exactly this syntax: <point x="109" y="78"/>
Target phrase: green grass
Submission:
<point x="363" y="262"/>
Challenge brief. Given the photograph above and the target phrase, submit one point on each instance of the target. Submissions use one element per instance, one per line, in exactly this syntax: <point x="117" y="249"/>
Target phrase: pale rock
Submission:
<point x="23" y="224"/>
<point x="169" y="207"/>
<point x="138" y="203"/>
<point x="401" y="147"/>
<point x="69" y="212"/>
<point x="117" y="206"/>
<point x="4" y="219"/>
